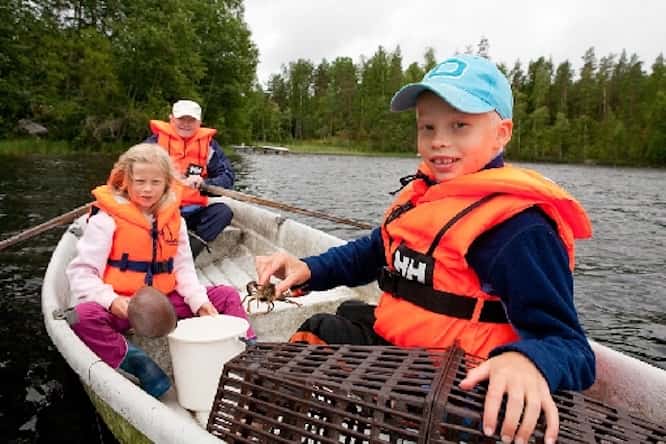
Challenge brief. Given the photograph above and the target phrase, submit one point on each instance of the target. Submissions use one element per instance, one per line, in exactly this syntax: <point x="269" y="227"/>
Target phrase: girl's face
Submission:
<point x="147" y="185"/>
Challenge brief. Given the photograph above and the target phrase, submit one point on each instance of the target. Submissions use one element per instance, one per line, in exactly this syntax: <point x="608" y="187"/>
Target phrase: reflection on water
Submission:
<point x="619" y="274"/>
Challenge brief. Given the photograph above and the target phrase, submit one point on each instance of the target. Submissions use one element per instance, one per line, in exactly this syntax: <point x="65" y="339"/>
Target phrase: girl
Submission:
<point x="136" y="237"/>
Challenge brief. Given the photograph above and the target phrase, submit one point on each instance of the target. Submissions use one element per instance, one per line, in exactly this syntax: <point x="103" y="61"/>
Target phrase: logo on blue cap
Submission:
<point x="450" y="68"/>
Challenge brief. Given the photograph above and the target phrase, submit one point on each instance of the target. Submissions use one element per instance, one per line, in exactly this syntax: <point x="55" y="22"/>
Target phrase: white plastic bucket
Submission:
<point x="199" y="348"/>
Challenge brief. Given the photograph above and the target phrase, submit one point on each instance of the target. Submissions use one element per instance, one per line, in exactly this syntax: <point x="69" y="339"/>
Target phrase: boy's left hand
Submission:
<point x="527" y="394"/>
<point x="207" y="309"/>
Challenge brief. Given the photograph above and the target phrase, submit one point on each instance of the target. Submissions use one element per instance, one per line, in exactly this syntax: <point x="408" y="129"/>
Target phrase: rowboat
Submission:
<point x="133" y="416"/>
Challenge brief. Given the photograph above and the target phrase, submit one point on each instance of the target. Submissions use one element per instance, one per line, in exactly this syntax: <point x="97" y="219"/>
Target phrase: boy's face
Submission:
<point x="185" y="126"/>
<point x="453" y="143"/>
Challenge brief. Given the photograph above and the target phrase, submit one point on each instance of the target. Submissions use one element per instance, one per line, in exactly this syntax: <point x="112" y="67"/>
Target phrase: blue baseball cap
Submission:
<point x="470" y="84"/>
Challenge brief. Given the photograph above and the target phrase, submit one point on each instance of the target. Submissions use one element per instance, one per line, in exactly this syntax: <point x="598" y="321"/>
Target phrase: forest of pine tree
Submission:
<point x="95" y="71"/>
<point x="612" y="111"/>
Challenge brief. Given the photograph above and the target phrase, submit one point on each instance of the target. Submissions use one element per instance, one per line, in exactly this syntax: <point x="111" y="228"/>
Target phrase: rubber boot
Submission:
<point x="151" y="377"/>
<point x="196" y="245"/>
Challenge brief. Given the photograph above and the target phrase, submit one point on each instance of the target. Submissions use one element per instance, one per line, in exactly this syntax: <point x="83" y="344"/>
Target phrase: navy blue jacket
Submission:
<point x="522" y="261"/>
<point x="219" y="170"/>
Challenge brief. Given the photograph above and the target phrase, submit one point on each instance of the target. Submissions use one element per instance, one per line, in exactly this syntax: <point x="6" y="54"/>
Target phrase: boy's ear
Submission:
<point x="504" y="131"/>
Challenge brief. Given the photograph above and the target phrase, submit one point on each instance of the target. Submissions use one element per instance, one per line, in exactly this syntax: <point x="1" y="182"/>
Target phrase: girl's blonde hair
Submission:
<point x="151" y="153"/>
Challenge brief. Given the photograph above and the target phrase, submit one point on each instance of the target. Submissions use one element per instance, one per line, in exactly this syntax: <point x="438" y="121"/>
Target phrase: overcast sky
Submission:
<point x="286" y="30"/>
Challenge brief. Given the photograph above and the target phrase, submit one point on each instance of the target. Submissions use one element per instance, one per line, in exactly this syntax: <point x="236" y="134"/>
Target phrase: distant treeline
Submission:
<point x="612" y="111"/>
<point x="95" y="71"/>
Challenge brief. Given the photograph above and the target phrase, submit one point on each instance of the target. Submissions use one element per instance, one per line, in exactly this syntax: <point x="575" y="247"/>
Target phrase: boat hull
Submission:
<point x="133" y="416"/>
<point x="121" y="429"/>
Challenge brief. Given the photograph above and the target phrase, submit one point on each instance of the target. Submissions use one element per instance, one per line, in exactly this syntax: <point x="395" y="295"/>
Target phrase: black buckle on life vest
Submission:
<point x="440" y="302"/>
<point x="163" y="267"/>
<point x="388" y="281"/>
<point x="123" y="264"/>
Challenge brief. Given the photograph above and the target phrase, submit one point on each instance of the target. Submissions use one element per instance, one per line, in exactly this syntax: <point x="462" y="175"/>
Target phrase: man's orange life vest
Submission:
<point x="142" y="252"/>
<point x="187" y="154"/>
<point x="427" y="233"/>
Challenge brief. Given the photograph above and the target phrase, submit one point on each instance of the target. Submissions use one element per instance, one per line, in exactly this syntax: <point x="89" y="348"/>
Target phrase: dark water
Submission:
<point x="619" y="279"/>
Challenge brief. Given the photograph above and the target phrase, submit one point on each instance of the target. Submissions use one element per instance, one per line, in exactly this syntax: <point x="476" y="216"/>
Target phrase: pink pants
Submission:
<point x="102" y="331"/>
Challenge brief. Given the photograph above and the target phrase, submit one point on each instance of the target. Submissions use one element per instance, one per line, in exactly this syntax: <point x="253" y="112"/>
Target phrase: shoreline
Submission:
<point x="31" y="146"/>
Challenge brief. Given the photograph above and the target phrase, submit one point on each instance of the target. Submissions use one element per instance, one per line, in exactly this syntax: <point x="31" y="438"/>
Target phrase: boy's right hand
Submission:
<point x="119" y="307"/>
<point x="290" y="269"/>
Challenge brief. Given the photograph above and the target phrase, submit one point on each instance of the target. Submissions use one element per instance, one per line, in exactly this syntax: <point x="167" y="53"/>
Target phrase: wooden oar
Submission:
<point x="52" y="223"/>
<point x="237" y="195"/>
<point x="218" y="191"/>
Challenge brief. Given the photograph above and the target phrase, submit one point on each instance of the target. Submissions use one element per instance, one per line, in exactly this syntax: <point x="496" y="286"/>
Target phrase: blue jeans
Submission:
<point x="207" y="222"/>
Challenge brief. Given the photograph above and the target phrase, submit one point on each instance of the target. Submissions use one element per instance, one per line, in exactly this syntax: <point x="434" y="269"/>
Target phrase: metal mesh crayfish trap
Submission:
<point x="286" y="393"/>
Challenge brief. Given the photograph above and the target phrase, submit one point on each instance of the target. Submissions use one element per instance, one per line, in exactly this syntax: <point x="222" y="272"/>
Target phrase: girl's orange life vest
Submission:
<point x="142" y="252"/>
<point x="187" y="154"/>
<point x="427" y="233"/>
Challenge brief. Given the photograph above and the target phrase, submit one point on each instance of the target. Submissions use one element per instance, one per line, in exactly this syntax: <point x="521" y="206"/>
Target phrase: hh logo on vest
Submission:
<point x="413" y="265"/>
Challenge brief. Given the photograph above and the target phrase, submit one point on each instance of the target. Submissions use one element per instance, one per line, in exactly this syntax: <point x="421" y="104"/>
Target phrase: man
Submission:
<point x="199" y="160"/>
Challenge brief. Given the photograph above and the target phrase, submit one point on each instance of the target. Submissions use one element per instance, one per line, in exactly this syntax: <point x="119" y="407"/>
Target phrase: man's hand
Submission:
<point x="193" y="181"/>
<point x="207" y="309"/>
<point x="290" y="269"/>
<point x="527" y="391"/>
<point x="119" y="307"/>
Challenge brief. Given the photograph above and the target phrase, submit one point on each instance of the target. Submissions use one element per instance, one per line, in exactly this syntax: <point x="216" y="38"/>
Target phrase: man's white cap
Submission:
<point x="186" y="108"/>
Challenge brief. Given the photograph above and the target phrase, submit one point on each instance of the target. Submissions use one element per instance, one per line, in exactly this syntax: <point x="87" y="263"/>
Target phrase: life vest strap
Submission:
<point x="440" y="302"/>
<point x="125" y="264"/>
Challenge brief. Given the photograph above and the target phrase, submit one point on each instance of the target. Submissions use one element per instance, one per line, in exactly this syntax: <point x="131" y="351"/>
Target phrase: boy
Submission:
<point x="472" y="252"/>
<point x="199" y="160"/>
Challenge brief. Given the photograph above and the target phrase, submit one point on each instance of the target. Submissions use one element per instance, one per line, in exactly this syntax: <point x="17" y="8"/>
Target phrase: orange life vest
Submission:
<point x="142" y="252"/>
<point x="427" y="233"/>
<point x="186" y="154"/>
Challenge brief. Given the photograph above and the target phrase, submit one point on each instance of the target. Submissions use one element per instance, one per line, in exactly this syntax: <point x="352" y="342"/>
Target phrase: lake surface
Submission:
<point x="619" y="283"/>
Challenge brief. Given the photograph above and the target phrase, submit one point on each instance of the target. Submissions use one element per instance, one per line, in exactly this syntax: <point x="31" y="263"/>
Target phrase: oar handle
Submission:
<point x="38" y="229"/>
<point x="237" y="195"/>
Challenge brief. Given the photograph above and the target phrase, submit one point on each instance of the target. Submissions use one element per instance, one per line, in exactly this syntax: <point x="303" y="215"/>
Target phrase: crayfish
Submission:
<point x="265" y="293"/>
